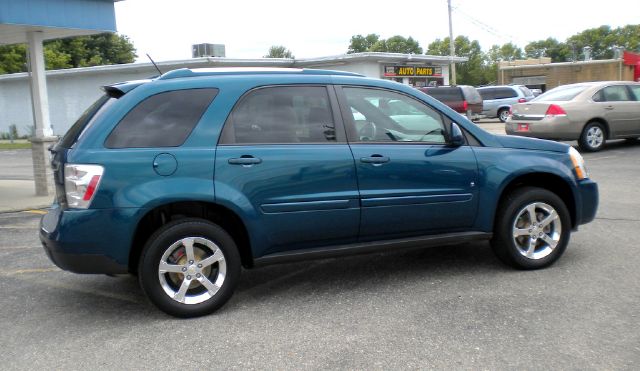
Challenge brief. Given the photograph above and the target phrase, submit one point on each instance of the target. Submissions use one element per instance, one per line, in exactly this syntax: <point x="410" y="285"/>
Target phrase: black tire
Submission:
<point x="208" y="286"/>
<point x="512" y="219"/>
<point x="503" y="113"/>
<point x="593" y="137"/>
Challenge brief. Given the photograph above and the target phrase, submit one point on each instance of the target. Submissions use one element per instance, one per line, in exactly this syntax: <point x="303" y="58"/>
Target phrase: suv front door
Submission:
<point x="411" y="182"/>
<point x="283" y="157"/>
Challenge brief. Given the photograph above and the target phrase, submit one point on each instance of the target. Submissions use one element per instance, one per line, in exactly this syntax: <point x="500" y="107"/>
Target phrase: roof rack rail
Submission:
<point x="188" y="72"/>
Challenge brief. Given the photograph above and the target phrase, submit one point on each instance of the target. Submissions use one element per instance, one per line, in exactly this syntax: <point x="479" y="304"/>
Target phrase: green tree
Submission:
<point x="13" y="58"/>
<point x="361" y="44"/>
<point x="279" y="51"/>
<point x="397" y="44"/>
<point x="472" y="72"/>
<point x="373" y="43"/>
<point x="72" y="52"/>
<point x="600" y="39"/>
<point x="552" y="48"/>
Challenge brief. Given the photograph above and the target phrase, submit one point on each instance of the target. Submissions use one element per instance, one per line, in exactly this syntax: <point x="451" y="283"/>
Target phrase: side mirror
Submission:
<point x="457" y="138"/>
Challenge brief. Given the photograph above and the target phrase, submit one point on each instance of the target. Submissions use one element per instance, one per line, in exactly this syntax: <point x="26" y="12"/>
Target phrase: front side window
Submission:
<point x="162" y="120"/>
<point x="281" y="114"/>
<point x="386" y="116"/>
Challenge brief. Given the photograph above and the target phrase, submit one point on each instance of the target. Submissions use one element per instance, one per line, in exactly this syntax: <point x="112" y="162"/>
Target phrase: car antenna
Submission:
<point x="154" y="63"/>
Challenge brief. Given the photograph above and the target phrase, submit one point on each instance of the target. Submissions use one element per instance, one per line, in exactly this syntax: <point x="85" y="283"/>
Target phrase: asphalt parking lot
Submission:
<point x="452" y="307"/>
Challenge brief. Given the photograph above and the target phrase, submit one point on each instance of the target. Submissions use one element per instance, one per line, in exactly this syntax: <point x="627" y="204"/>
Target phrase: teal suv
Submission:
<point x="184" y="179"/>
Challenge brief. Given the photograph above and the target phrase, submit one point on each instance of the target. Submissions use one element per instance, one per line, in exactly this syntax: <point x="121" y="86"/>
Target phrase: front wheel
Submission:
<point x="189" y="268"/>
<point x="532" y="230"/>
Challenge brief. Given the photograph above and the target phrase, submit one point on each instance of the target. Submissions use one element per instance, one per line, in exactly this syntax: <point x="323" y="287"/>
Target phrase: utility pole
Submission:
<point x="452" y="50"/>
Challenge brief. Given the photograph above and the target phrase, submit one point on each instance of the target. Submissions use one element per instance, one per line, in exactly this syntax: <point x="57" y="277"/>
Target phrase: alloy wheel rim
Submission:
<point x="192" y="270"/>
<point x="536" y="230"/>
<point x="595" y="137"/>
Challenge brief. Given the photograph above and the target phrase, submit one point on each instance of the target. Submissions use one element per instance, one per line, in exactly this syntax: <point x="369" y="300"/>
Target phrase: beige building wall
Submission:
<point x="556" y="74"/>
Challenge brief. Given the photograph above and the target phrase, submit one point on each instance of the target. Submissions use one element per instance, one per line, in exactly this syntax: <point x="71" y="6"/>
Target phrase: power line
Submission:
<point x="483" y="26"/>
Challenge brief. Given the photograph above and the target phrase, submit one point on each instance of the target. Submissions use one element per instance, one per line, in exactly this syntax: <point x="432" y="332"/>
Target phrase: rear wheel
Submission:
<point x="503" y="114"/>
<point x="593" y="137"/>
<point x="189" y="268"/>
<point x="532" y="230"/>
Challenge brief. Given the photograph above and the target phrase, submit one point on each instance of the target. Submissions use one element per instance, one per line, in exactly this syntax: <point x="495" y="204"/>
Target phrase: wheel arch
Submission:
<point x="600" y="120"/>
<point x="549" y="181"/>
<point x="163" y="214"/>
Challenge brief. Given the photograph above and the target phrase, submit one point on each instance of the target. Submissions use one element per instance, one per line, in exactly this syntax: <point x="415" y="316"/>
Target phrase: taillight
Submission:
<point x="522" y="100"/>
<point x="465" y="105"/>
<point x="81" y="183"/>
<point x="555" y="110"/>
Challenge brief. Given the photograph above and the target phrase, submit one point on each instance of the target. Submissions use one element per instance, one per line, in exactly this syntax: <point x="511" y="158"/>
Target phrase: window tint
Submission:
<point x="162" y="120"/>
<point x="487" y="93"/>
<point x="635" y="90"/>
<point x="617" y="93"/>
<point x="385" y="116"/>
<point x="504" y="93"/>
<point x="284" y="114"/>
<point x="445" y="94"/>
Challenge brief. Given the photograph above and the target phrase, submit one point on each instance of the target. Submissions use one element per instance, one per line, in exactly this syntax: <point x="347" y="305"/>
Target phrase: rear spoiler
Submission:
<point x="121" y="88"/>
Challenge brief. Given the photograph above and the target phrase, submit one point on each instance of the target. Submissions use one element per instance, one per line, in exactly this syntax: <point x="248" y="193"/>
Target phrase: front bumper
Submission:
<point x="89" y="241"/>
<point x="587" y="201"/>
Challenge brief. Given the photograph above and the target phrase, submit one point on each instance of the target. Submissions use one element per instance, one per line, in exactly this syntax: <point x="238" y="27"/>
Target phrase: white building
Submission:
<point x="71" y="91"/>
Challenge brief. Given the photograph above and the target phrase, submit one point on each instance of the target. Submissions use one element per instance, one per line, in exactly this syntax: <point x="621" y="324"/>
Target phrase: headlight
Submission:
<point x="578" y="164"/>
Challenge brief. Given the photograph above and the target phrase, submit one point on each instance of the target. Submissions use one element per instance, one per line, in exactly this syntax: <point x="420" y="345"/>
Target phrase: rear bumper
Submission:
<point x="89" y="241"/>
<point x="587" y="201"/>
<point x="557" y="127"/>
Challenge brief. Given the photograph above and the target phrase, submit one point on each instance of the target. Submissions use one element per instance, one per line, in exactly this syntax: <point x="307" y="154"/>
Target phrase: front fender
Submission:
<point x="499" y="167"/>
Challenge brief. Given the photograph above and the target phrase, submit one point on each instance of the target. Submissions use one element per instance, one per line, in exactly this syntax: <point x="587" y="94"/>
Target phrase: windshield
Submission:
<point x="560" y="94"/>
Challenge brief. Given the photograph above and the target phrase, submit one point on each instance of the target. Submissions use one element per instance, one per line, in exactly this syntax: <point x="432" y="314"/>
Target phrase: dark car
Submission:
<point x="186" y="178"/>
<point x="463" y="99"/>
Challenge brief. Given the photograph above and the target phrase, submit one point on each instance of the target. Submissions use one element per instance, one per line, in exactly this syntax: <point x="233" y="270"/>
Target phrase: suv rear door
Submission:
<point x="283" y="163"/>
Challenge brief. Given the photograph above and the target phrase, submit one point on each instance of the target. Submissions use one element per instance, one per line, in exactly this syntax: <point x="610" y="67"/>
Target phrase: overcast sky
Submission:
<point x="166" y="29"/>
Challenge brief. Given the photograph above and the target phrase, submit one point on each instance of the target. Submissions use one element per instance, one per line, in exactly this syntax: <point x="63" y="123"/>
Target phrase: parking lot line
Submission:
<point x="27" y="271"/>
<point x="40" y="212"/>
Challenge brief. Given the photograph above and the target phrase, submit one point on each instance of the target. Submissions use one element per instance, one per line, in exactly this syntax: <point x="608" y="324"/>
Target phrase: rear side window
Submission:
<point x="162" y="120"/>
<point x="616" y="93"/>
<point x="281" y="114"/>
<point x="487" y="94"/>
<point x="504" y="93"/>
<point x="635" y="89"/>
<point x="445" y="94"/>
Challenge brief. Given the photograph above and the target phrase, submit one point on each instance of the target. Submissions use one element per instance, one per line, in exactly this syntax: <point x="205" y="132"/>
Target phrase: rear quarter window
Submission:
<point x="162" y="120"/>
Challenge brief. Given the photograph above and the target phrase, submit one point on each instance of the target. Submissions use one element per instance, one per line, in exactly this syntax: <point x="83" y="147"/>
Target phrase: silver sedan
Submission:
<point x="590" y="112"/>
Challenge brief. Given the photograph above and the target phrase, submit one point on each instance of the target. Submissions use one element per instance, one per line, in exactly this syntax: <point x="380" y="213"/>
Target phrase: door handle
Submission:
<point x="244" y="160"/>
<point x="609" y="108"/>
<point x="375" y="159"/>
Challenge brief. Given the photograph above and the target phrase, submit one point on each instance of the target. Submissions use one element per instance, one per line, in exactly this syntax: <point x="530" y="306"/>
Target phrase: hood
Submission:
<point x="531" y="143"/>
